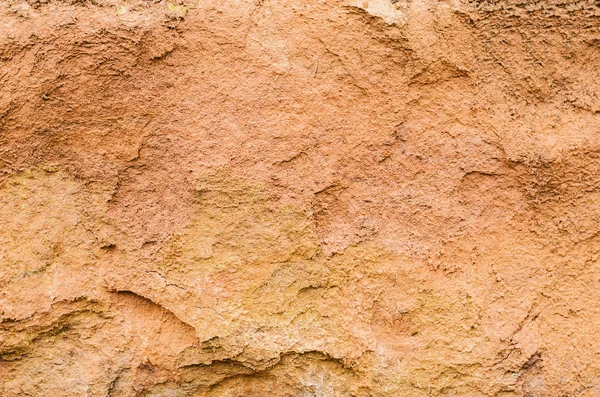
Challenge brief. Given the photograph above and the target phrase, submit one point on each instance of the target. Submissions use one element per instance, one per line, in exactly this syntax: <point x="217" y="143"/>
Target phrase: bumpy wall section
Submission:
<point x="299" y="198"/>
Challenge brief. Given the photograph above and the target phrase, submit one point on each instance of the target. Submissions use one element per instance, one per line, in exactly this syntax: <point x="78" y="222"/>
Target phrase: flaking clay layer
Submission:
<point x="299" y="198"/>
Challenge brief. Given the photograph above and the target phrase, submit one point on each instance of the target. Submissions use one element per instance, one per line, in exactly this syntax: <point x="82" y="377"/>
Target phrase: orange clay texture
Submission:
<point x="299" y="198"/>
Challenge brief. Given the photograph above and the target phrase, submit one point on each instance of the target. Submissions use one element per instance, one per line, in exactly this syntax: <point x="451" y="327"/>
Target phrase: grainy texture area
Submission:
<point x="299" y="198"/>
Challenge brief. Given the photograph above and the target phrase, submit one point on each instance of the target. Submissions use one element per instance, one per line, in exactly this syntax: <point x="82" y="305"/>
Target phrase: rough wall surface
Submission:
<point x="299" y="198"/>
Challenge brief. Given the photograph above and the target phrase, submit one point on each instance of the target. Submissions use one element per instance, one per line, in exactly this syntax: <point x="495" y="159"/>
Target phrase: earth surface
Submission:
<point x="299" y="198"/>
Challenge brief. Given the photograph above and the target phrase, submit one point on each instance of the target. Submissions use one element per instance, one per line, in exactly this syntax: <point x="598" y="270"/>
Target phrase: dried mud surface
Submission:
<point x="299" y="198"/>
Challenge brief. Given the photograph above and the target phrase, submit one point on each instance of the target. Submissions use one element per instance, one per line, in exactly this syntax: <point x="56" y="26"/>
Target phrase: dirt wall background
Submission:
<point x="299" y="198"/>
